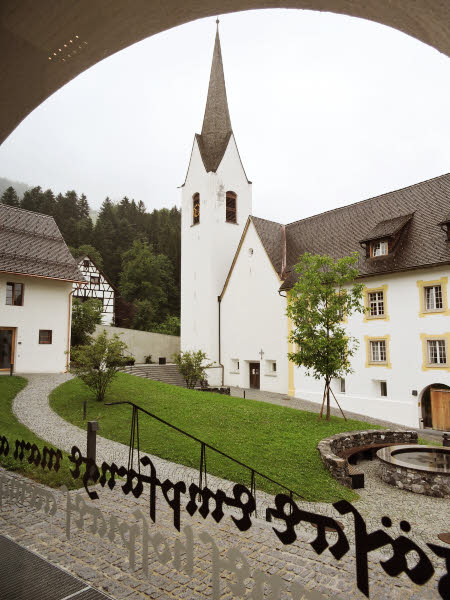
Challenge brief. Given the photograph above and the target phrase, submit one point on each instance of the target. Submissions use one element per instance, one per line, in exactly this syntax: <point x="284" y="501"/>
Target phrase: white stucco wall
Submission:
<point x="142" y="343"/>
<point x="45" y="306"/>
<point x="253" y="319"/>
<point x="208" y="248"/>
<point x="406" y="374"/>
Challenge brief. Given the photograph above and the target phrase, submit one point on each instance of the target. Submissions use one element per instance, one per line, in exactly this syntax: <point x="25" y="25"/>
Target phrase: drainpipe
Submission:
<point x="69" y="319"/>
<point x="221" y="365"/>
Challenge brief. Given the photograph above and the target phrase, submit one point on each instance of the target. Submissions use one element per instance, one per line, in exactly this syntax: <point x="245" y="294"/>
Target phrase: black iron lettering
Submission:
<point x="4" y="446"/>
<point x="444" y="581"/>
<point x="174" y="503"/>
<point x="48" y="456"/>
<point x="206" y="494"/>
<point x="77" y="458"/>
<point x="113" y="471"/>
<point x="247" y="508"/>
<point x="22" y="445"/>
<point x="154" y="482"/>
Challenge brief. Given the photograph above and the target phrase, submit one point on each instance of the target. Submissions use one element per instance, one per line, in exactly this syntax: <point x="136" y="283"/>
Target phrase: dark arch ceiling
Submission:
<point x="46" y="43"/>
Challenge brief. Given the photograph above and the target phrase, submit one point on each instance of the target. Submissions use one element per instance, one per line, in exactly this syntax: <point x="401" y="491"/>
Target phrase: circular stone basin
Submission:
<point x="419" y="469"/>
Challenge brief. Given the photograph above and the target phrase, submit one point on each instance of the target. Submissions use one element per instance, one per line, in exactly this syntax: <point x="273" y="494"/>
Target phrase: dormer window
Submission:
<point x="231" y="207"/>
<point x="379" y="248"/>
<point x="383" y="239"/>
<point x="195" y="209"/>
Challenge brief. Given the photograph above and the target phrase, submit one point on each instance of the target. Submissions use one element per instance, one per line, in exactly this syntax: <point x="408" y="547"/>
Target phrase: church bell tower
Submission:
<point x="216" y="202"/>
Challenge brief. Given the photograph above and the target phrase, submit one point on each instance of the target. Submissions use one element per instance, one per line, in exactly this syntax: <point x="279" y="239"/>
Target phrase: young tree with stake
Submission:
<point x="324" y="295"/>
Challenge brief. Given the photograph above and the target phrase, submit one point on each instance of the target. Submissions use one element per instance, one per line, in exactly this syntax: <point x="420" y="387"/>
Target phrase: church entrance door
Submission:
<point x="254" y="376"/>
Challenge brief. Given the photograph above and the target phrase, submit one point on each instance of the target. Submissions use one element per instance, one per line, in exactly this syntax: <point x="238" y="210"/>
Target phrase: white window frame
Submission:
<point x="440" y="346"/>
<point x="435" y="297"/>
<point x="375" y="357"/>
<point x="377" y="303"/>
<point x="380" y="248"/>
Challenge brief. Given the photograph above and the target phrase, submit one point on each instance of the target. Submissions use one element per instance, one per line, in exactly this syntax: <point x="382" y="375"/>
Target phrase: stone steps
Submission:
<point x="165" y="373"/>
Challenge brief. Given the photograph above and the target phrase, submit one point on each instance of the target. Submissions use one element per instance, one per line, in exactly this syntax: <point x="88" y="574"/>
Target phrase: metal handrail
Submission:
<point x="205" y="444"/>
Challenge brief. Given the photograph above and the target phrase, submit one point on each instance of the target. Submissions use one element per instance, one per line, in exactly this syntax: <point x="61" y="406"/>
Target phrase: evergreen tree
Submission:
<point x="32" y="199"/>
<point x="47" y="203"/>
<point x="10" y="197"/>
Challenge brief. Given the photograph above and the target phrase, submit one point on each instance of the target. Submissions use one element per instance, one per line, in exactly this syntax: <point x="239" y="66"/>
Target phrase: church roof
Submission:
<point x="271" y="236"/>
<point x="216" y="129"/>
<point x="31" y="244"/>
<point x="413" y="213"/>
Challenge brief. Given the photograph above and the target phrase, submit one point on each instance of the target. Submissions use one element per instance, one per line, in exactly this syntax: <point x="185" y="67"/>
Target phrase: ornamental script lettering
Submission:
<point x="193" y="498"/>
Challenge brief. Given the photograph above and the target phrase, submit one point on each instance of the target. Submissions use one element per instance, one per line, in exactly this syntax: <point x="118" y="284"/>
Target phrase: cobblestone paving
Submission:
<point x="103" y="563"/>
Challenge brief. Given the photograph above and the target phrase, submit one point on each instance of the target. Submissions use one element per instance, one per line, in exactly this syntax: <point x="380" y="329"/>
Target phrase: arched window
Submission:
<point x="196" y="208"/>
<point x="231" y="210"/>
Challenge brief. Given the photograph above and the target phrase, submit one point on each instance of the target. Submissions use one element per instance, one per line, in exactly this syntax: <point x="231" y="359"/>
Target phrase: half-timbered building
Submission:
<point x="237" y="272"/>
<point x="97" y="286"/>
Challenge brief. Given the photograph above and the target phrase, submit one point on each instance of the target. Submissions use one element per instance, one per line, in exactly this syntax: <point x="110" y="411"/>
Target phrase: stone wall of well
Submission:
<point x="420" y="482"/>
<point x="331" y="447"/>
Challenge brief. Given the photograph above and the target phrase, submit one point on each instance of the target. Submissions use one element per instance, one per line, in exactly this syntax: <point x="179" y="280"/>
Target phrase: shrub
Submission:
<point x="148" y="359"/>
<point x="96" y="364"/>
<point x="190" y="365"/>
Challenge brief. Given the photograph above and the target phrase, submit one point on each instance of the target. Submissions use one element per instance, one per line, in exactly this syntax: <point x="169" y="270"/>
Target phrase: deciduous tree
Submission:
<point x="85" y="316"/>
<point x="324" y="295"/>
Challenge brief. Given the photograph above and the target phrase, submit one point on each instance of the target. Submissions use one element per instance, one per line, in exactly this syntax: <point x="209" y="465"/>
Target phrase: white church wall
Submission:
<point x="208" y="248"/>
<point x="253" y="319"/>
<point x="406" y="372"/>
<point x="45" y="306"/>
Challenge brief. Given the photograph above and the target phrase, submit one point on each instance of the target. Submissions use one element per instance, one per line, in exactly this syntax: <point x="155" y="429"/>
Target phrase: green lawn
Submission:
<point x="277" y="441"/>
<point x="13" y="430"/>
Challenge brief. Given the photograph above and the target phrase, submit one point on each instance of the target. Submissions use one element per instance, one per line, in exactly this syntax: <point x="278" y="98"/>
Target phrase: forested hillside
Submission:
<point x="138" y="251"/>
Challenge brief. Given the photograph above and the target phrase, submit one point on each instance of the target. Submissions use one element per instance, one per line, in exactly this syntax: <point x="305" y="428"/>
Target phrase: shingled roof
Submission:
<point x="216" y="129"/>
<point x="31" y="244"/>
<point x="418" y="209"/>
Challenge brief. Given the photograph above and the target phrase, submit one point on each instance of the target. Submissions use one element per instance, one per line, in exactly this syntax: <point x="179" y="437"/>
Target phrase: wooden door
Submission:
<point x="7" y="343"/>
<point x="440" y="409"/>
<point x="254" y="376"/>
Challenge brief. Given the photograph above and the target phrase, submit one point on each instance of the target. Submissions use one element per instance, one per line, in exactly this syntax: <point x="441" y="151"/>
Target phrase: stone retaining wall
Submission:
<point x="331" y="447"/>
<point x="420" y="482"/>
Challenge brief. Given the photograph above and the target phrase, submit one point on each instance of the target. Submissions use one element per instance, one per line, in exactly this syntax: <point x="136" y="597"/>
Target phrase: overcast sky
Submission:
<point x="326" y="110"/>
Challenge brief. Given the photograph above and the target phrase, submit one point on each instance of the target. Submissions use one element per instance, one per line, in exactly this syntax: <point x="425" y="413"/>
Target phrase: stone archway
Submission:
<point x="45" y="44"/>
<point x="435" y="406"/>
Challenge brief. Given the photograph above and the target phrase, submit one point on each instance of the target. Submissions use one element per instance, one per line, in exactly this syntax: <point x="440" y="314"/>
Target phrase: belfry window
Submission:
<point x="231" y="207"/>
<point x="196" y="208"/>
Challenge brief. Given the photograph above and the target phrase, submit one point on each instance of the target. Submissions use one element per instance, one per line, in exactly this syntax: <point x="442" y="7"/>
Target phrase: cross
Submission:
<point x="261" y="353"/>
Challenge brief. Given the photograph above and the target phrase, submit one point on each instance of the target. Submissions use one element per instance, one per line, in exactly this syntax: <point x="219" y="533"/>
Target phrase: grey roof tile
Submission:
<point x="339" y="232"/>
<point x="31" y="244"/>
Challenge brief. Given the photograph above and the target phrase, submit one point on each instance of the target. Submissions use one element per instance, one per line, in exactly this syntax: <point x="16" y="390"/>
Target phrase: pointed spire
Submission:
<point x="216" y="129"/>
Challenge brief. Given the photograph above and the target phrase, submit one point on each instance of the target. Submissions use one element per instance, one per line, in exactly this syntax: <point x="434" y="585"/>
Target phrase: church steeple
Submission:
<point x="216" y="129"/>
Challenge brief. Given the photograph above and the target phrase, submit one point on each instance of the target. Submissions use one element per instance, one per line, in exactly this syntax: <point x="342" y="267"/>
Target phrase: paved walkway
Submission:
<point x="104" y="564"/>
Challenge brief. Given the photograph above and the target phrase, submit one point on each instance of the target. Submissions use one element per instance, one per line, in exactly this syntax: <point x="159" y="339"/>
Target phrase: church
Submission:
<point x="237" y="271"/>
